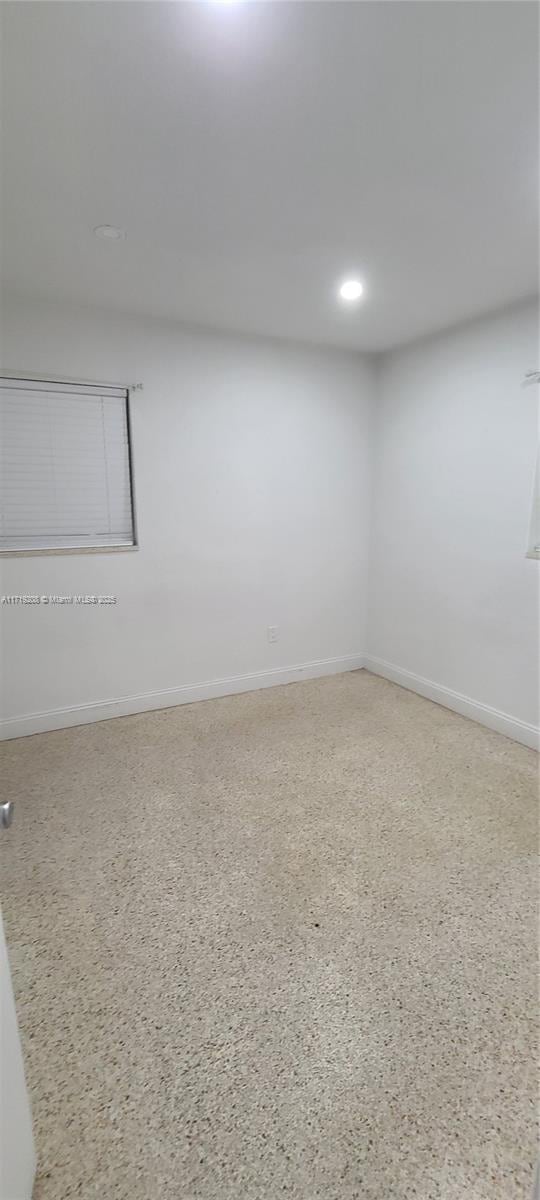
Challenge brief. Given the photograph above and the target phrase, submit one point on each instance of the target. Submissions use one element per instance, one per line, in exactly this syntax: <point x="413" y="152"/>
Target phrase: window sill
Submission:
<point x="68" y="550"/>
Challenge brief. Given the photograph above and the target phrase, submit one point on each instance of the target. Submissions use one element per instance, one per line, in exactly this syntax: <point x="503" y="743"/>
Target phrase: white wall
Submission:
<point x="453" y="599"/>
<point x="252" y="492"/>
<point x="252" y="474"/>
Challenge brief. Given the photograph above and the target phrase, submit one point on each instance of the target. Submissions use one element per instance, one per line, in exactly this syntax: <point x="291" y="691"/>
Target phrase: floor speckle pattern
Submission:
<point x="277" y="945"/>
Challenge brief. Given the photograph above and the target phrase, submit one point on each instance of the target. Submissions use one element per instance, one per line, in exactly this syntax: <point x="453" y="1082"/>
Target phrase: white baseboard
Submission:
<point x="519" y="731"/>
<point x="124" y="706"/>
<point x="103" y="710"/>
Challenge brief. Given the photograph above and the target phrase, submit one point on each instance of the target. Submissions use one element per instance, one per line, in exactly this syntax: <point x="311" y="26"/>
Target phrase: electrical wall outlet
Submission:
<point x="272" y="633"/>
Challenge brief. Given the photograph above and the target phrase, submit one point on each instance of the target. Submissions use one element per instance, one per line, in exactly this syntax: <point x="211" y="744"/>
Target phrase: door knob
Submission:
<point x="6" y="814"/>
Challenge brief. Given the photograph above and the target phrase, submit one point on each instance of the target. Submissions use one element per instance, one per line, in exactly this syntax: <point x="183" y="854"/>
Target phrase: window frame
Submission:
<point x="64" y="381"/>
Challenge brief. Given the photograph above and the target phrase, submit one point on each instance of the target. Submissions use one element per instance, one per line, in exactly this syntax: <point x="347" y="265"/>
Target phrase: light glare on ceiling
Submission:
<point x="351" y="289"/>
<point x="109" y="233"/>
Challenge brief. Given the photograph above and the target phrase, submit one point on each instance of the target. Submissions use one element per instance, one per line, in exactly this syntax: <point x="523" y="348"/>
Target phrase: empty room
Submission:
<point x="269" y="613"/>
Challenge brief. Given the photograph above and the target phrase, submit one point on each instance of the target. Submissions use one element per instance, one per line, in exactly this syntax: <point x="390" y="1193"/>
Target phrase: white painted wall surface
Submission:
<point x="251" y="464"/>
<point x="252" y="473"/>
<point x="453" y="599"/>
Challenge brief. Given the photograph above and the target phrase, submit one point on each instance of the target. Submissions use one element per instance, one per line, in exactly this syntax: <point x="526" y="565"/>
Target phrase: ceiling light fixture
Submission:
<point x="109" y="233"/>
<point x="351" y="289"/>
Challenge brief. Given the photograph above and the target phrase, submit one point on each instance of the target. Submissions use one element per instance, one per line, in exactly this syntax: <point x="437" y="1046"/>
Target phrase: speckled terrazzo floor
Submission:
<point x="280" y="944"/>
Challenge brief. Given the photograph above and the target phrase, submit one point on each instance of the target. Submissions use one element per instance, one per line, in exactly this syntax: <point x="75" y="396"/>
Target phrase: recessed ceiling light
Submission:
<point x="351" y="289"/>
<point x="109" y="233"/>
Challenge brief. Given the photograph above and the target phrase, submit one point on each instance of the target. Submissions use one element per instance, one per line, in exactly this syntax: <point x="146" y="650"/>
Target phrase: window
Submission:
<point x="65" y="472"/>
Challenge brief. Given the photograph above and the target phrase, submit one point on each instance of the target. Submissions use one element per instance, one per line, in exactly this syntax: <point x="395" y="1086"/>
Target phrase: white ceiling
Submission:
<point x="258" y="152"/>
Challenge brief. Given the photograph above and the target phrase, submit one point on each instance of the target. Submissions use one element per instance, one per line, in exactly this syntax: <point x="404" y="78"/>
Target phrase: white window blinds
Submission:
<point x="64" y="466"/>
